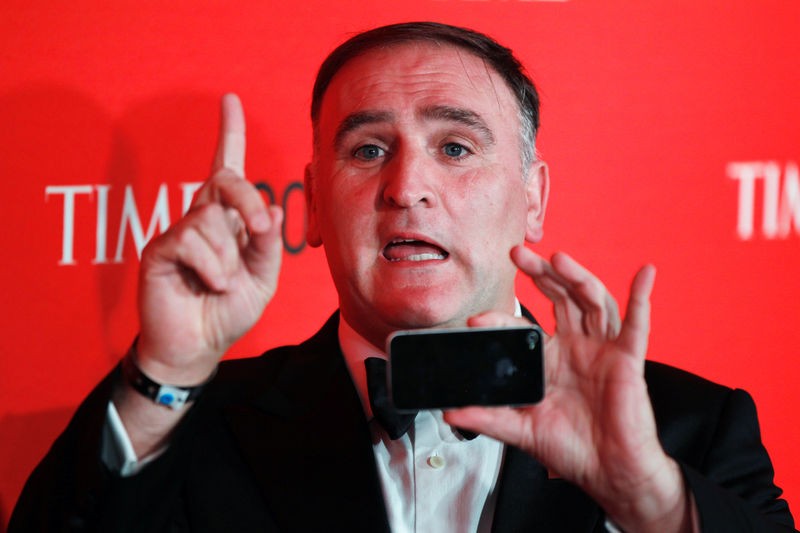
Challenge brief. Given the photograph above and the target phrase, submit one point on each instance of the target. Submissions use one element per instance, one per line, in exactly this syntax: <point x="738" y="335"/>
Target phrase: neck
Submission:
<point x="376" y="331"/>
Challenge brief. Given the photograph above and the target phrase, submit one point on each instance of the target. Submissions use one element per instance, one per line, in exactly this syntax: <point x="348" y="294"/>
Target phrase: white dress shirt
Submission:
<point x="433" y="479"/>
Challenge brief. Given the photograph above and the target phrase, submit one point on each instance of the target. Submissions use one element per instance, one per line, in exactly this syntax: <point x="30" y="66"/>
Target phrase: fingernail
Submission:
<point x="260" y="223"/>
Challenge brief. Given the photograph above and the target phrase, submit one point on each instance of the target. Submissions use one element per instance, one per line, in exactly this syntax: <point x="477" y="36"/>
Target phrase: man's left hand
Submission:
<point x="595" y="427"/>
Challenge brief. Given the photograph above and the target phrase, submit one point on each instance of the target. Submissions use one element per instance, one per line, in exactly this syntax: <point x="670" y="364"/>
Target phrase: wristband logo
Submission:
<point x="78" y="196"/>
<point x="780" y="191"/>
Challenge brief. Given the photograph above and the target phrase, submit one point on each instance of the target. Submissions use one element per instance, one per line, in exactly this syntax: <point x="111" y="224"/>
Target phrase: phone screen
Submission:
<point x="453" y="368"/>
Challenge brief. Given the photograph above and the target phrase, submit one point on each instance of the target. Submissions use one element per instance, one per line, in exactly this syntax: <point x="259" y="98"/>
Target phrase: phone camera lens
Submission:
<point x="533" y="340"/>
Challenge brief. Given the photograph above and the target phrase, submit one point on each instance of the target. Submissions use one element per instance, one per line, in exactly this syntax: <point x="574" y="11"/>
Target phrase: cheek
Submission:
<point x="492" y="201"/>
<point x="347" y="226"/>
<point x="347" y="202"/>
<point x="475" y="190"/>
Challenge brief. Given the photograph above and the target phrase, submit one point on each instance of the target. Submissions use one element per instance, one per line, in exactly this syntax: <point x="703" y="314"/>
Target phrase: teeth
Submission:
<point x="419" y="257"/>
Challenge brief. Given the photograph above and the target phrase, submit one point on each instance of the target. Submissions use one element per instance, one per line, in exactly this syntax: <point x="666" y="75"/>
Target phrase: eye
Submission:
<point x="455" y="150"/>
<point x="368" y="152"/>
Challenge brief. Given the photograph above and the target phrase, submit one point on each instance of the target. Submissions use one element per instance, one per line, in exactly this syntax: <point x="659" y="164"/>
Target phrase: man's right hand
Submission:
<point x="206" y="281"/>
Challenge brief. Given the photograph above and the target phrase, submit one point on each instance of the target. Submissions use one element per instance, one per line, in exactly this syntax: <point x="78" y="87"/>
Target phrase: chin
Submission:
<point x="422" y="313"/>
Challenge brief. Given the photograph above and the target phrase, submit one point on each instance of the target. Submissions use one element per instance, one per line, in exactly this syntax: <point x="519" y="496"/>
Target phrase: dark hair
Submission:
<point x="500" y="58"/>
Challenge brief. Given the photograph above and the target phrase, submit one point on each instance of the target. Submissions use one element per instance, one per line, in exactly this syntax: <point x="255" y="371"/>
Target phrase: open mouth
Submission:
<point x="413" y="250"/>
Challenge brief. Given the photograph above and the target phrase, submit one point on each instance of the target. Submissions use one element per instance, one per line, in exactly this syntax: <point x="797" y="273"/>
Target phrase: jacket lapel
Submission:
<point x="308" y="443"/>
<point x="309" y="446"/>
<point x="528" y="501"/>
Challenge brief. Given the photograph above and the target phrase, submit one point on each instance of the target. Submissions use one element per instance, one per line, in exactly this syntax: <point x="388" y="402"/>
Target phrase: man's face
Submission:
<point x="416" y="190"/>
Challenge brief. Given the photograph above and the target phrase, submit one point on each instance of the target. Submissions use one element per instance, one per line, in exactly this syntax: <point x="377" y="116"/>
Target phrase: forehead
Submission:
<point x="406" y="77"/>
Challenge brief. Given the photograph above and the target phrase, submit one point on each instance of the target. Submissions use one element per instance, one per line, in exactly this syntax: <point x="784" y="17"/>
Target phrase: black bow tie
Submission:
<point x="395" y="423"/>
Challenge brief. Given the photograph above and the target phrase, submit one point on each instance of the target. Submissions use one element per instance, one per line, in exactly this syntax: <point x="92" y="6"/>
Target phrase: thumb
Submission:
<point x="264" y="251"/>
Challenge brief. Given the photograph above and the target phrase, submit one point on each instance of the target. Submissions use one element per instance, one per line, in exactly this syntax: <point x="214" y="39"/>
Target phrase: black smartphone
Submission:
<point x="437" y="369"/>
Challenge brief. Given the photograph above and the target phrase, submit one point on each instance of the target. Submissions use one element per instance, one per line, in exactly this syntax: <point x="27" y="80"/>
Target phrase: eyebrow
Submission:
<point x="355" y="120"/>
<point x="458" y="114"/>
<point x="467" y="117"/>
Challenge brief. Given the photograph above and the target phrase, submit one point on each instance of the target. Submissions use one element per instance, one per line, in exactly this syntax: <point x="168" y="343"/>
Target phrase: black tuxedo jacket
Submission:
<point x="280" y="443"/>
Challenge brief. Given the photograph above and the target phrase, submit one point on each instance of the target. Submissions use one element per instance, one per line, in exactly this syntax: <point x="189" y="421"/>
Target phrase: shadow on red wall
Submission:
<point x="26" y="439"/>
<point x="69" y="324"/>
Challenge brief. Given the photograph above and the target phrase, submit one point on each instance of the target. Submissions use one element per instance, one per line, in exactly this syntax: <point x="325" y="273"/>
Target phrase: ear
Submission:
<point x="313" y="238"/>
<point x="537" y="188"/>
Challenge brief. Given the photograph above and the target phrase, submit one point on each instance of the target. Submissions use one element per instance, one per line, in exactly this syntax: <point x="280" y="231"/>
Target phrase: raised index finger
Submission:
<point x="231" y="141"/>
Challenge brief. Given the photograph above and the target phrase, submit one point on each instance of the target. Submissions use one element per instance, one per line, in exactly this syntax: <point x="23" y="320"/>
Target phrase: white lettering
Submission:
<point x="772" y="183"/>
<point x="131" y="222"/>
<point x="781" y="202"/>
<point x="68" y="231"/>
<point x="101" y="226"/>
<point x="790" y="200"/>
<point x="188" y="190"/>
<point x="746" y="174"/>
<point x="130" y="217"/>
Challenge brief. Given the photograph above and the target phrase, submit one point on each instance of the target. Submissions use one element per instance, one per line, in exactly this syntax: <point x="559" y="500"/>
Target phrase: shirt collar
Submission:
<point x="356" y="349"/>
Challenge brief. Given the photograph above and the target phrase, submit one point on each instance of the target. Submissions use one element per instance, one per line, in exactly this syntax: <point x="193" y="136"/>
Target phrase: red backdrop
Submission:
<point x="671" y="130"/>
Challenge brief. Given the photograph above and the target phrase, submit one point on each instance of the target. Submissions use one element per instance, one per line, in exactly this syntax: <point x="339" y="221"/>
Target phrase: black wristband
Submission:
<point x="173" y="396"/>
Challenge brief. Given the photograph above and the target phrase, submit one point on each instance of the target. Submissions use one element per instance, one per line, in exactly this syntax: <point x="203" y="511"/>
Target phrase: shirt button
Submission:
<point x="434" y="461"/>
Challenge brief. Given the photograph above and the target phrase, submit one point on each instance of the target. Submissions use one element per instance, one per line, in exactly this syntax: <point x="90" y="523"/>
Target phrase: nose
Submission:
<point x="409" y="180"/>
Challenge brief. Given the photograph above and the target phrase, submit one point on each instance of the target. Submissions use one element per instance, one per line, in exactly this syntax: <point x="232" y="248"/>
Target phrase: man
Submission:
<point x="423" y="188"/>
